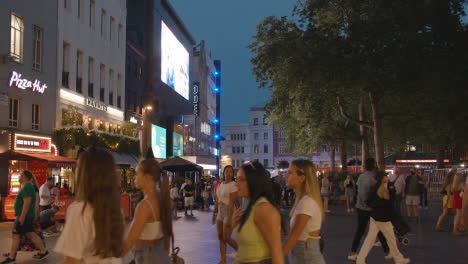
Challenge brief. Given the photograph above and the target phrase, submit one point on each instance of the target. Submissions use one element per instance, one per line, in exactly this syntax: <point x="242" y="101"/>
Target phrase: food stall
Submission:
<point x="37" y="154"/>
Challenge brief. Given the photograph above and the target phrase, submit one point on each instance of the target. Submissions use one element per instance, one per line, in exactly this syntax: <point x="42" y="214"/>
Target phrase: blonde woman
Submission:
<point x="151" y="230"/>
<point x="457" y="190"/>
<point x="306" y="216"/>
<point x="448" y="198"/>
<point x="94" y="227"/>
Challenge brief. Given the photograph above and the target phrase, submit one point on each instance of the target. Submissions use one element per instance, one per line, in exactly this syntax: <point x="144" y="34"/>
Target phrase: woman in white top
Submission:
<point x="226" y="195"/>
<point x="94" y="227"/>
<point x="174" y="197"/>
<point x="306" y="216"/>
<point x="151" y="229"/>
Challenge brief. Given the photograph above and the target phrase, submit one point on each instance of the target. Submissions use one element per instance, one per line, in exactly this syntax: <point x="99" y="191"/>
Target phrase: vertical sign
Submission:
<point x="196" y="98"/>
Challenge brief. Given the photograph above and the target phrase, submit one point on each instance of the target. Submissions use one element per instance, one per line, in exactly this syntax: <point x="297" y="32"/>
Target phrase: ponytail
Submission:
<point x="166" y="208"/>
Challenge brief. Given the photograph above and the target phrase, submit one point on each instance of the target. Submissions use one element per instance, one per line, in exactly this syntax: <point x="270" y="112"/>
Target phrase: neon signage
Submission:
<point x="32" y="143"/>
<point x="23" y="83"/>
<point x="96" y="105"/>
<point x="196" y="99"/>
<point x="421" y="161"/>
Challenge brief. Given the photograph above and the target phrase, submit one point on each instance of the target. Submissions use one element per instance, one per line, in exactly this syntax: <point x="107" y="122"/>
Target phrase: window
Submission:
<point x="119" y="89"/>
<point x="37" y="48"/>
<point x="13" y="115"/>
<point x="65" y="65"/>
<point x="119" y="102"/>
<point x="111" y="28"/>
<point x="16" y="38"/>
<point x="91" y="13"/>
<point x="256" y="136"/>
<point x="410" y="147"/>
<point x="91" y="77"/>
<point x="232" y="137"/>
<point x="255" y="122"/>
<point x="103" y="21"/>
<point x="265" y="149"/>
<point x="111" y="87"/>
<point x="265" y="135"/>
<point x="66" y="4"/>
<point x="281" y="133"/>
<point x="35" y="116"/>
<point x="79" y="9"/>
<point x="79" y="79"/>
<point x="242" y="150"/>
<point x="282" y="148"/>
<point x="256" y="149"/>
<point x="324" y="148"/>
<point x="264" y="121"/>
<point x="233" y="150"/>
<point x="119" y="38"/>
<point x="265" y="163"/>
<point x="238" y="150"/>
<point x="102" y="82"/>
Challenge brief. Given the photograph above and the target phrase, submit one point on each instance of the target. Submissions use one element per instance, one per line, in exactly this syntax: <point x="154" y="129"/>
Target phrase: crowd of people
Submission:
<point x="247" y="212"/>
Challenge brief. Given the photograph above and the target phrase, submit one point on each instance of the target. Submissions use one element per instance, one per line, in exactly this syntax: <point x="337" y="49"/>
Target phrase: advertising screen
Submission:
<point x="177" y="145"/>
<point x="158" y="141"/>
<point x="174" y="62"/>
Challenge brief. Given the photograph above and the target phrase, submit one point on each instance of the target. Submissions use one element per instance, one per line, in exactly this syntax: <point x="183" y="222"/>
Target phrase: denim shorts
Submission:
<point x="306" y="252"/>
<point x="154" y="254"/>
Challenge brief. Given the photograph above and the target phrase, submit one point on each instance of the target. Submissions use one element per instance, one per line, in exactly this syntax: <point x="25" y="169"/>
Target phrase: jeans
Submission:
<point x="306" y="252"/>
<point x="423" y="198"/>
<point x="363" y="222"/>
<point x="387" y="229"/>
<point x="151" y="254"/>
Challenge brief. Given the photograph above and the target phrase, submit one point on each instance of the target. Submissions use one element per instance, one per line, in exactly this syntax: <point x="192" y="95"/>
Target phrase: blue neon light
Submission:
<point x="216" y="89"/>
<point x="216" y="120"/>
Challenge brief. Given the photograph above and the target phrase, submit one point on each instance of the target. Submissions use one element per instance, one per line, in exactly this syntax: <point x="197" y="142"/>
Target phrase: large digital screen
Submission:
<point x="177" y="145"/>
<point x="174" y="62"/>
<point x="158" y="141"/>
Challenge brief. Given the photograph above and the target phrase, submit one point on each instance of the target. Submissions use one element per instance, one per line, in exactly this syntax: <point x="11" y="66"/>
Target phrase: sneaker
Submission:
<point x="232" y="256"/>
<point x="352" y="257"/>
<point x="9" y="261"/>
<point x="388" y="257"/>
<point x="41" y="255"/>
<point x="404" y="261"/>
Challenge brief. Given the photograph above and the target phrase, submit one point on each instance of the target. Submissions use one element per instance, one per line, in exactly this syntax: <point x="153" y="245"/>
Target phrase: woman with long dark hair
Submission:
<point x="94" y="227"/>
<point x="447" y="204"/>
<point x="151" y="229"/>
<point x="226" y="195"/>
<point x="259" y="226"/>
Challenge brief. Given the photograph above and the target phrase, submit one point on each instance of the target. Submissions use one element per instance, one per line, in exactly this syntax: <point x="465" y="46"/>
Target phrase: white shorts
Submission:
<point x="189" y="201"/>
<point x="223" y="213"/>
<point x="412" y="200"/>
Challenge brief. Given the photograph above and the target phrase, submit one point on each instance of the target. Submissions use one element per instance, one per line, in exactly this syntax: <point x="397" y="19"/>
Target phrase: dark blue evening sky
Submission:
<point x="228" y="27"/>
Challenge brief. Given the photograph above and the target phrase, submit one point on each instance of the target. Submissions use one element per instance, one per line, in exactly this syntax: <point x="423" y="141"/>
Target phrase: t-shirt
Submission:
<point x="46" y="215"/>
<point x="78" y="236"/>
<point x="307" y="206"/>
<point x="413" y="188"/>
<point x="365" y="183"/>
<point x="399" y="183"/>
<point x="174" y="193"/>
<point x="224" y="191"/>
<point x="188" y="188"/>
<point x="26" y="191"/>
<point x="44" y="191"/>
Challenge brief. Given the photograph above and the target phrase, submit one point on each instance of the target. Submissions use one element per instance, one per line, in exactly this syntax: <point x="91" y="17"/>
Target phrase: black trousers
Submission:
<point x="423" y="198"/>
<point x="363" y="223"/>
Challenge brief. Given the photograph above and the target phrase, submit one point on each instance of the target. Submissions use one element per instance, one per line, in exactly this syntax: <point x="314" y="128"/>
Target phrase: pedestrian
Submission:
<point x="413" y="189"/>
<point x="174" y="197"/>
<point x="279" y="179"/>
<point x="206" y="195"/>
<point x="325" y="192"/>
<point x="25" y="213"/>
<point x="55" y="192"/>
<point x="188" y="190"/>
<point x="306" y="215"/>
<point x="447" y="204"/>
<point x="151" y="229"/>
<point x="398" y="180"/>
<point x="423" y="195"/>
<point x="350" y="191"/>
<point x="48" y="222"/>
<point x="364" y="184"/>
<point x="380" y="200"/>
<point x="226" y="195"/>
<point x="44" y="193"/>
<point x="93" y="232"/>
<point x="465" y="204"/>
<point x="258" y="227"/>
<point x="458" y="187"/>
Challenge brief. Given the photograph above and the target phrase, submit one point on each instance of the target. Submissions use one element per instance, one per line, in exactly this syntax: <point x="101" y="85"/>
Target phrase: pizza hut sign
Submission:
<point x="16" y="79"/>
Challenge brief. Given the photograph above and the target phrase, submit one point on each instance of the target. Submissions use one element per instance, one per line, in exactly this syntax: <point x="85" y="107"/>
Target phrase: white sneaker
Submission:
<point x="232" y="256"/>
<point x="404" y="261"/>
<point x="352" y="257"/>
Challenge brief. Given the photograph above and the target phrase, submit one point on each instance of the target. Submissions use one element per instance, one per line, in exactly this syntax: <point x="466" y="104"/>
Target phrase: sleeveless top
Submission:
<point x="252" y="246"/>
<point x="153" y="230"/>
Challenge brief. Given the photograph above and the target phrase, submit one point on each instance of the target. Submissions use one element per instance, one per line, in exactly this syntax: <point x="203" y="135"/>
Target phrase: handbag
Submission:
<point x="175" y="259"/>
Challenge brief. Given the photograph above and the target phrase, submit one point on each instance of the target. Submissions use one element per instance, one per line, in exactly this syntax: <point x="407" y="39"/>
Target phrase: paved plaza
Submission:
<point x="198" y="241"/>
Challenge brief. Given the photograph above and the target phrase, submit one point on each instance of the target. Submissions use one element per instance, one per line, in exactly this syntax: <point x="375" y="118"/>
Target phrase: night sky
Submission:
<point x="228" y="27"/>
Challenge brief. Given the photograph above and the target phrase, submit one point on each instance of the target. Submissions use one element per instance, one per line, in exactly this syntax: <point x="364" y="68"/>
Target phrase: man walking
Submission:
<point x="188" y="196"/>
<point x="364" y="185"/>
<point x="25" y="214"/>
<point x="45" y="200"/>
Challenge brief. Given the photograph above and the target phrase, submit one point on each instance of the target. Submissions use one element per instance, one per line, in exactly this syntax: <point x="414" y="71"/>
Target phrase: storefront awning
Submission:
<point x="52" y="160"/>
<point x="125" y="161"/>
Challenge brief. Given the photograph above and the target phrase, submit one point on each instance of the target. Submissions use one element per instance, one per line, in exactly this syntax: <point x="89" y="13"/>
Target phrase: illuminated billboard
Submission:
<point x="158" y="141"/>
<point x="174" y="62"/>
<point x="177" y="145"/>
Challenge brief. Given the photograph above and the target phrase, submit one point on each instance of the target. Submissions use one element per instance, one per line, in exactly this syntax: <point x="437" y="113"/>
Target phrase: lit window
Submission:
<point x="16" y="40"/>
<point x="37" y="48"/>
<point x="256" y="149"/>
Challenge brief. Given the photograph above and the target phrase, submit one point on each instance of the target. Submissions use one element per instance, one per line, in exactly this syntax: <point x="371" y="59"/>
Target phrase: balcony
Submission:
<point x="78" y="85"/>
<point x="91" y="90"/>
<point x="65" y="79"/>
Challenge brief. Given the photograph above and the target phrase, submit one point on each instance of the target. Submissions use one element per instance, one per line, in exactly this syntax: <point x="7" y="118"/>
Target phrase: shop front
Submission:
<point x="37" y="154"/>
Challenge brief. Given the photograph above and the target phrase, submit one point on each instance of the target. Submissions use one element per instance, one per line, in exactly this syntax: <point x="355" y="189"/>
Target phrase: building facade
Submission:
<point x="91" y="64"/>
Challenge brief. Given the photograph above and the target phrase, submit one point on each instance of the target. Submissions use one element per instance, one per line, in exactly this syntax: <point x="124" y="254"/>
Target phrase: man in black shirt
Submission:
<point x="47" y="219"/>
<point x="188" y="196"/>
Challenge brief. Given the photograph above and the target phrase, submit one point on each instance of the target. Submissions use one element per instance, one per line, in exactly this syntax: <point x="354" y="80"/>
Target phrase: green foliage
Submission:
<point x="129" y="129"/>
<point x="68" y="138"/>
<point x="72" y="117"/>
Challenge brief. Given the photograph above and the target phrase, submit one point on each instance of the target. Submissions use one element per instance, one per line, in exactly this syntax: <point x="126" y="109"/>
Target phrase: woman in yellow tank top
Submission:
<point x="258" y="229"/>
